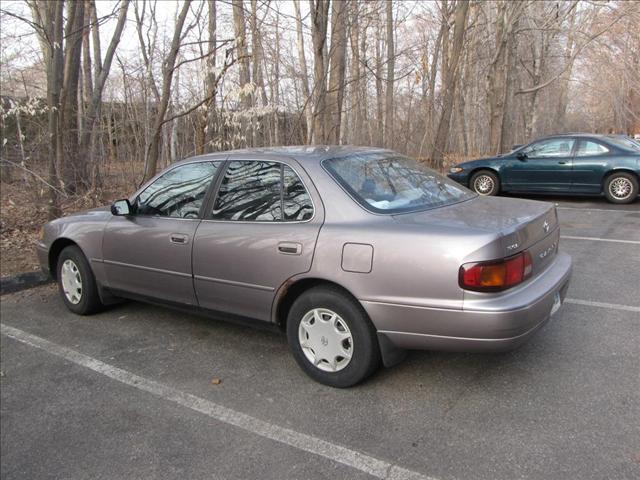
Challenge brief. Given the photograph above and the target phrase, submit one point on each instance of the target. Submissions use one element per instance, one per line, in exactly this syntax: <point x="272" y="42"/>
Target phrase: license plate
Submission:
<point x="557" y="301"/>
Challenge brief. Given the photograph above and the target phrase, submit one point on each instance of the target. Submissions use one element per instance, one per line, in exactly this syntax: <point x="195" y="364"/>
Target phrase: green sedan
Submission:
<point x="574" y="164"/>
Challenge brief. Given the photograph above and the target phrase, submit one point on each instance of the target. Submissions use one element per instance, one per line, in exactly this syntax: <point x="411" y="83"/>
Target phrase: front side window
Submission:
<point x="179" y="193"/>
<point x="391" y="183"/>
<point x="555" y="147"/>
<point x="587" y="149"/>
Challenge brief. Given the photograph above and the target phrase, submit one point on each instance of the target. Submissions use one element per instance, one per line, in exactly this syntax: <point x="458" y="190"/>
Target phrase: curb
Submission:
<point x="23" y="281"/>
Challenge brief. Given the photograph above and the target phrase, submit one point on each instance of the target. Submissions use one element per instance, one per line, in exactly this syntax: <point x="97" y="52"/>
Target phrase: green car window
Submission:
<point x="554" y="147"/>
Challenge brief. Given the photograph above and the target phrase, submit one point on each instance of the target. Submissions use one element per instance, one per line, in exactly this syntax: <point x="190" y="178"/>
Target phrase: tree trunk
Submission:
<point x="71" y="167"/>
<point x="391" y="62"/>
<point x="308" y="103"/>
<point x="355" y="136"/>
<point x="240" y="31"/>
<point x="101" y="71"/>
<point x="442" y="134"/>
<point x="167" y="77"/>
<point x="319" y="20"/>
<point x="337" y="60"/>
<point x="211" y="84"/>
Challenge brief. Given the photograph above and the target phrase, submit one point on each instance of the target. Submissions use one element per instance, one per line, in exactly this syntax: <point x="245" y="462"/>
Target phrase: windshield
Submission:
<point x="390" y="183"/>
<point x="626" y="143"/>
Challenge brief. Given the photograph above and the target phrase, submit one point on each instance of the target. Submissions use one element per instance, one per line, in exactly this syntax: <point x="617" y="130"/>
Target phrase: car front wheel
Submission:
<point x="621" y="188"/>
<point x="76" y="282"/>
<point x="485" y="182"/>
<point x="331" y="337"/>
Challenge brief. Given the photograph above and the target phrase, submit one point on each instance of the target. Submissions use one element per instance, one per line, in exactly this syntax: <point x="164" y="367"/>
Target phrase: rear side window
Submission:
<point x="297" y="204"/>
<point x="263" y="192"/>
<point x="179" y="193"/>
<point x="587" y="149"/>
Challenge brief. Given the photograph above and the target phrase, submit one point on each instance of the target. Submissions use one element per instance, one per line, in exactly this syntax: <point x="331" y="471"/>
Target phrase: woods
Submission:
<point x="436" y="80"/>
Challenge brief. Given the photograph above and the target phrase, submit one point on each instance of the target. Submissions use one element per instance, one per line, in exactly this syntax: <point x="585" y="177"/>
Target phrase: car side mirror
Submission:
<point x="521" y="156"/>
<point x="121" y="208"/>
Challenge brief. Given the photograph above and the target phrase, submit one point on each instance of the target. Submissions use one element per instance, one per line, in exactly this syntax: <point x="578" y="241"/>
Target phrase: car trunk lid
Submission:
<point x="517" y="224"/>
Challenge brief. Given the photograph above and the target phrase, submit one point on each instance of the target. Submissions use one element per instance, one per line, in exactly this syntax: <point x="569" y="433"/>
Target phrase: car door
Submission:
<point x="149" y="252"/>
<point x="545" y="165"/>
<point x="589" y="165"/>
<point x="260" y="231"/>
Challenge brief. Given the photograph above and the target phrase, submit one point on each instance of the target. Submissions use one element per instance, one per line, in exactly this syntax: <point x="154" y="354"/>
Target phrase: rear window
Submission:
<point x="391" y="183"/>
<point x="626" y="143"/>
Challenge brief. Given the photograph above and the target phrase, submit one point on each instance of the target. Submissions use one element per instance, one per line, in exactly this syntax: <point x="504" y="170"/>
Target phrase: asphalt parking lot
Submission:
<point x="128" y="393"/>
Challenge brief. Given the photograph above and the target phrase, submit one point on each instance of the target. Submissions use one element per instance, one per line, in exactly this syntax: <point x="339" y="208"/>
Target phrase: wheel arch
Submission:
<point x="613" y="171"/>
<point x="493" y="170"/>
<point x="55" y="249"/>
<point x="486" y="168"/>
<point x="292" y="289"/>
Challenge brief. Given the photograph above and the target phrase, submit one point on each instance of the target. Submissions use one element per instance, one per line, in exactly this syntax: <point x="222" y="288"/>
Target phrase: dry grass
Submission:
<point x="23" y="212"/>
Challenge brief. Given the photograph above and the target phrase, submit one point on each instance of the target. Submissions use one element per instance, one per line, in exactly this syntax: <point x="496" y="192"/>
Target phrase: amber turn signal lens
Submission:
<point x="496" y="275"/>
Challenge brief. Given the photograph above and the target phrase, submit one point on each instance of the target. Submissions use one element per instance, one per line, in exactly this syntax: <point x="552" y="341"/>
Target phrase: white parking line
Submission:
<point x="597" y="239"/>
<point x="308" y="443"/>
<point x="612" y="306"/>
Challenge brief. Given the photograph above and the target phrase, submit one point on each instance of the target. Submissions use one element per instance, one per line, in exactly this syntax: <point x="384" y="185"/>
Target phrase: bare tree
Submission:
<point x="450" y="67"/>
<point x="167" y="77"/>
<point x="337" y="64"/>
<point x="319" y="21"/>
<point x="391" y="66"/>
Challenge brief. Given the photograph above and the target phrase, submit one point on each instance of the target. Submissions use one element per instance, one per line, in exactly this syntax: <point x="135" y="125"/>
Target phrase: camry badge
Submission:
<point x="545" y="225"/>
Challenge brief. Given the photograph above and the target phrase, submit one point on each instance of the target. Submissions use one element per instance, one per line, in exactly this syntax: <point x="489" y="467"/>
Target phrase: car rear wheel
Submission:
<point x="485" y="182"/>
<point x="76" y="282"/>
<point x="331" y="337"/>
<point x="621" y="188"/>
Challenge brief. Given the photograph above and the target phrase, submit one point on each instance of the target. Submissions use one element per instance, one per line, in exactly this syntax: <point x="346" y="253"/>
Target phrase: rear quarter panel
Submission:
<point x="590" y="171"/>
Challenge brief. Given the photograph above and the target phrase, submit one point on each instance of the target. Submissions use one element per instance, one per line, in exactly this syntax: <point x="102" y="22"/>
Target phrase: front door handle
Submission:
<point x="290" y="248"/>
<point x="562" y="163"/>
<point x="178" y="238"/>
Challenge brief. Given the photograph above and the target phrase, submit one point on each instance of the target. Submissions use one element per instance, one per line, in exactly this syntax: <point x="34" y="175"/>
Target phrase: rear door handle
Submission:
<point x="178" y="238"/>
<point x="562" y="163"/>
<point x="290" y="248"/>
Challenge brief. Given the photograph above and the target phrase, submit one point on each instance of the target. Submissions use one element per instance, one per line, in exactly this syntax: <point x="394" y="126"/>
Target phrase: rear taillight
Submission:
<point x="495" y="275"/>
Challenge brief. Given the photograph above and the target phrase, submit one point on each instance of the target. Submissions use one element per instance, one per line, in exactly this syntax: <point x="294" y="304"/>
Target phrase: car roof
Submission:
<point x="302" y="153"/>
<point x="602" y="136"/>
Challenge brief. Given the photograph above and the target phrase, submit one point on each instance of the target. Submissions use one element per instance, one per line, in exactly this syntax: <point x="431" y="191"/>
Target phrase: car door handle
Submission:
<point x="178" y="238"/>
<point x="562" y="163"/>
<point x="290" y="248"/>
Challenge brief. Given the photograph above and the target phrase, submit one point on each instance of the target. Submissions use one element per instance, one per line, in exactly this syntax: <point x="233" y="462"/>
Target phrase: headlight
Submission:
<point x="456" y="170"/>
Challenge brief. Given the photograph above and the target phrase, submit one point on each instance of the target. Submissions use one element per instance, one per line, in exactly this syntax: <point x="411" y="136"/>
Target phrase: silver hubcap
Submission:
<point x="620" y="188"/>
<point x="71" y="281"/>
<point x="325" y="339"/>
<point x="483" y="184"/>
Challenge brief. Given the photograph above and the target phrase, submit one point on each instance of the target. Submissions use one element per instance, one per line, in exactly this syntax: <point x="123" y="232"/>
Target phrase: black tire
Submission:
<point x="621" y="188"/>
<point x="482" y="178"/>
<point x="365" y="359"/>
<point x="89" y="300"/>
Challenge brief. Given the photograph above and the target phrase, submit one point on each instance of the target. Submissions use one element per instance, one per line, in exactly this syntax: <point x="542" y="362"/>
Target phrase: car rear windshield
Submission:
<point x="391" y="183"/>
<point x="626" y="143"/>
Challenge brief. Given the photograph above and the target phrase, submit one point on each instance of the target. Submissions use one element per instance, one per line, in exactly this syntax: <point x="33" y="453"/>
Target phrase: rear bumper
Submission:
<point x="490" y="324"/>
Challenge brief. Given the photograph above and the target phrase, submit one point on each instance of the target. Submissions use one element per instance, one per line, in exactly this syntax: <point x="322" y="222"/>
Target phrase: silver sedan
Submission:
<point x="359" y="254"/>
